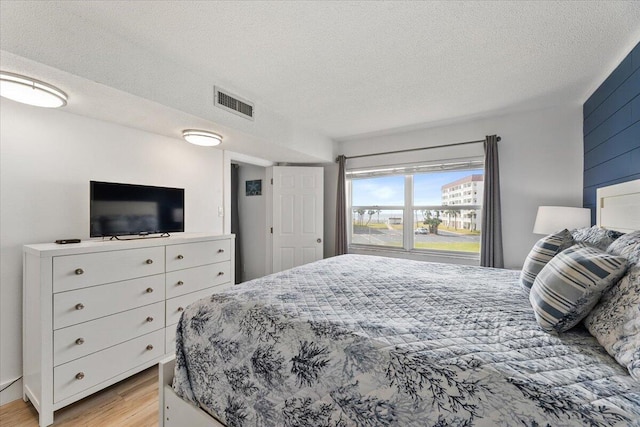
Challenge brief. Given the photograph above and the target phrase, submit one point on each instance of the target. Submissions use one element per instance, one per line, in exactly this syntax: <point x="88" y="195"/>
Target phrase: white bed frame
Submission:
<point x="618" y="206"/>
<point x="175" y="412"/>
<point x="618" y="209"/>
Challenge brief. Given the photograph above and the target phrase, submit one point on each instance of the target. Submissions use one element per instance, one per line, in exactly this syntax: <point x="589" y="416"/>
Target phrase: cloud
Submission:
<point x="379" y="191"/>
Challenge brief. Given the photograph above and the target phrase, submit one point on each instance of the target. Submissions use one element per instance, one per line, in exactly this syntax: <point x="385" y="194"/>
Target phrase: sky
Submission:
<point x="389" y="190"/>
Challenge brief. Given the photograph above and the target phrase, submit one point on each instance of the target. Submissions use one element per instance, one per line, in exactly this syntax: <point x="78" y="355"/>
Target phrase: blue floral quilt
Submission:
<point x="368" y="341"/>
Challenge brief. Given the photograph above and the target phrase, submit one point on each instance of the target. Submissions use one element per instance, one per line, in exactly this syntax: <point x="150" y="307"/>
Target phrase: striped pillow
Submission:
<point x="571" y="284"/>
<point x="541" y="253"/>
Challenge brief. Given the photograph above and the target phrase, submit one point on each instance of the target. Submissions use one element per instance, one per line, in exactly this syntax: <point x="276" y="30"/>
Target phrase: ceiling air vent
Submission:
<point x="232" y="103"/>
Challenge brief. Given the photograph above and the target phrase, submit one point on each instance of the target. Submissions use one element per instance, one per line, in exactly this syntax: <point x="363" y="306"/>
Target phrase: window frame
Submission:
<point x="408" y="241"/>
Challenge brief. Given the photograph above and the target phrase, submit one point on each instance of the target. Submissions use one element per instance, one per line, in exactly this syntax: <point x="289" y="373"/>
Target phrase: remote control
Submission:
<point x="65" y="241"/>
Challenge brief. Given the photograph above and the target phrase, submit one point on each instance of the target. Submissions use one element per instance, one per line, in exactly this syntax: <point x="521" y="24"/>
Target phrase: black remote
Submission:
<point x="65" y="241"/>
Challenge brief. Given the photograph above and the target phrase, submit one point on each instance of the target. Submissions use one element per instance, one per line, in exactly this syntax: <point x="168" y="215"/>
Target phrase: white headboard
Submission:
<point x="618" y="206"/>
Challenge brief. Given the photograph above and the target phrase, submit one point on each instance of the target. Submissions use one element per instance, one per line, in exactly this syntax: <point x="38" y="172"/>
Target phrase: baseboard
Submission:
<point x="13" y="392"/>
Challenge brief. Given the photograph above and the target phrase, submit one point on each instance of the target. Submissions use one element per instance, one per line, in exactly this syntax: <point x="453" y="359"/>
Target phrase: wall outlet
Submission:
<point x="220" y="211"/>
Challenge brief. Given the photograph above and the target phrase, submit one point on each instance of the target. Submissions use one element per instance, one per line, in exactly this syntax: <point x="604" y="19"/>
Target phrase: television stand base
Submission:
<point x="137" y="237"/>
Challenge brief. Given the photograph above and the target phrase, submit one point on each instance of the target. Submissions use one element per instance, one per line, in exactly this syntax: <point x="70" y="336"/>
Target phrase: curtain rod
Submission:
<point x="416" y="149"/>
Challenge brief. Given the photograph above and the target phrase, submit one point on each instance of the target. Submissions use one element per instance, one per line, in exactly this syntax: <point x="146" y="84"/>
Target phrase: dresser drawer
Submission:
<point x="175" y="306"/>
<point x="70" y="308"/>
<point x="80" y="340"/>
<point x="81" y="271"/>
<point x="200" y="253"/>
<point x="193" y="279"/>
<point x="74" y="377"/>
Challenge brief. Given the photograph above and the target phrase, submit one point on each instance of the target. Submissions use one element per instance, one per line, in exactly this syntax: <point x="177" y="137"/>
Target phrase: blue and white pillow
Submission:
<point x="571" y="284"/>
<point x="615" y="321"/>
<point x="541" y="253"/>
<point x="601" y="238"/>
<point x="627" y="246"/>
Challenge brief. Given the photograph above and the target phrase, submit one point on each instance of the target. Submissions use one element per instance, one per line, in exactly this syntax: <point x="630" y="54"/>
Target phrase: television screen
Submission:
<point x="127" y="209"/>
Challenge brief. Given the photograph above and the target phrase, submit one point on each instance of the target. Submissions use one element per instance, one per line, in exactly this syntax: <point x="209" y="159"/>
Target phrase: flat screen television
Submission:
<point x="127" y="209"/>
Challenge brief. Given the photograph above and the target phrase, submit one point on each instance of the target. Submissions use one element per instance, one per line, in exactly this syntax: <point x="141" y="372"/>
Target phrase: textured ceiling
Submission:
<point x="351" y="68"/>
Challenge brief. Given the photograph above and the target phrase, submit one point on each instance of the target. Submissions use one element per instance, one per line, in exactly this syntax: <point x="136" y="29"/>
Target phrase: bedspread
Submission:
<point x="368" y="341"/>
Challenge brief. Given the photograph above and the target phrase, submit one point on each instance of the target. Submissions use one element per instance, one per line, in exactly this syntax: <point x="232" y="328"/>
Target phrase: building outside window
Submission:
<point x="430" y="208"/>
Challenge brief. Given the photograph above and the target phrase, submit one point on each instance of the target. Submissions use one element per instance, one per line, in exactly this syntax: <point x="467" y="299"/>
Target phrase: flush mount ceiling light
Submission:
<point x="201" y="137"/>
<point x="30" y="91"/>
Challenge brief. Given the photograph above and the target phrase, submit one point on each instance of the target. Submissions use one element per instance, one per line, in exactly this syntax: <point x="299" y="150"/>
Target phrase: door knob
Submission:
<point x="319" y="240"/>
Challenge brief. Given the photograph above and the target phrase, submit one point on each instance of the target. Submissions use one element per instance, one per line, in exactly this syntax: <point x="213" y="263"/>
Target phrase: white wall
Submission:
<point x="253" y="222"/>
<point x="47" y="158"/>
<point x="541" y="158"/>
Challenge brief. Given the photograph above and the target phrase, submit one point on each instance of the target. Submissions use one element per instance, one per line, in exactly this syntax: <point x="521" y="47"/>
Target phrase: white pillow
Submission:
<point x="627" y="246"/>
<point x="601" y="238"/>
<point x="615" y="321"/>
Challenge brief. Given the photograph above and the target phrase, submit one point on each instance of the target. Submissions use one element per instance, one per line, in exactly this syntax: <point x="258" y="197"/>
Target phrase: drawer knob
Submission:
<point x="149" y="347"/>
<point x="80" y="375"/>
<point x="79" y="306"/>
<point x="180" y="256"/>
<point x="220" y="251"/>
<point x="80" y="341"/>
<point x="180" y="308"/>
<point x="149" y="261"/>
<point x="149" y="319"/>
<point x="180" y="283"/>
<point x="149" y="290"/>
<point x="79" y="271"/>
<point x="221" y="273"/>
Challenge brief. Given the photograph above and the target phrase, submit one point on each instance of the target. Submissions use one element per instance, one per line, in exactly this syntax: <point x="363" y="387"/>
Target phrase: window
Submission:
<point x="418" y="208"/>
<point x="377" y="211"/>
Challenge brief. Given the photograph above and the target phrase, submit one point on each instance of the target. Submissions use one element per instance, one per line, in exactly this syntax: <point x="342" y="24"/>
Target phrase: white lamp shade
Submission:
<point x="30" y="91"/>
<point x="555" y="218"/>
<point x="201" y="137"/>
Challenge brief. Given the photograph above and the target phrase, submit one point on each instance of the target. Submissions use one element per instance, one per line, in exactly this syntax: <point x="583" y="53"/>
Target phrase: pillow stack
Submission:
<point x="589" y="279"/>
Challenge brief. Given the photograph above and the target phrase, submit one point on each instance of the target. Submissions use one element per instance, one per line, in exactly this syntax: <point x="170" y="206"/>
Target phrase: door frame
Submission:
<point x="228" y="158"/>
<point x="330" y="181"/>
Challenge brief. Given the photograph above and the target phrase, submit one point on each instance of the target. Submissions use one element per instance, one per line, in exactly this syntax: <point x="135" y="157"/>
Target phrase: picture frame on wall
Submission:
<point x="253" y="187"/>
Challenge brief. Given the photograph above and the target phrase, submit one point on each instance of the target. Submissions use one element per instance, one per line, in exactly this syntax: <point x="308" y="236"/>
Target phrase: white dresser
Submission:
<point x="97" y="312"/>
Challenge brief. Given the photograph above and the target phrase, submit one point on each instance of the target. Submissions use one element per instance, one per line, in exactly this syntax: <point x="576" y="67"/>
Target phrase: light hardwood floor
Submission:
<point x="129" y="403"/>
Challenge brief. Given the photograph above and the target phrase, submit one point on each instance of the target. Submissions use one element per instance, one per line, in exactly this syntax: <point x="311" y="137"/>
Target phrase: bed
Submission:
<point x="362" y="340"/>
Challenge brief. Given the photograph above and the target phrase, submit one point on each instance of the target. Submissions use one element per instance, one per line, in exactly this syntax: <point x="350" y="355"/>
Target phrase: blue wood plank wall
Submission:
<point x="611" y="130"/>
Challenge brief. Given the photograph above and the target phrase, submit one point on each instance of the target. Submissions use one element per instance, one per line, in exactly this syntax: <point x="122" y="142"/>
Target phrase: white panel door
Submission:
<point x="298" y="203"/>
